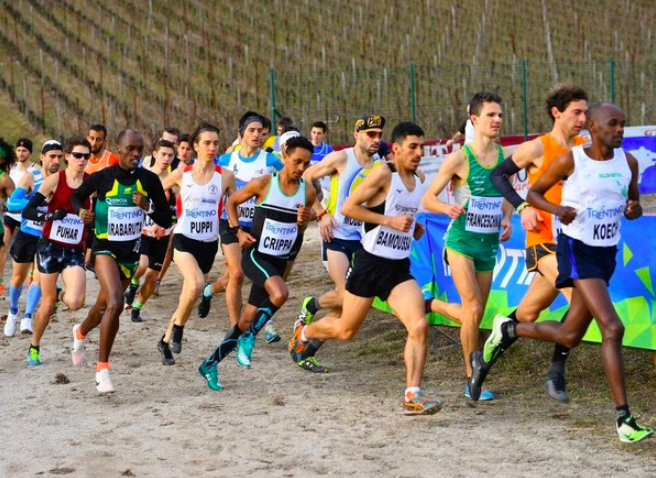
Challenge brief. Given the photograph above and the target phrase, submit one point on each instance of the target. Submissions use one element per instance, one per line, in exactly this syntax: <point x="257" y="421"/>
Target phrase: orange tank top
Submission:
<point x="549" y="222"/>
<point x="107" y="159"/>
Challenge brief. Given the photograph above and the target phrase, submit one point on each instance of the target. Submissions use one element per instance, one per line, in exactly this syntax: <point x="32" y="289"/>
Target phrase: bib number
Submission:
<point x="484" y="215"/>
<point x="69" y="230"/>
<point x="124" y="223"/>
<point x="277" y="238"/>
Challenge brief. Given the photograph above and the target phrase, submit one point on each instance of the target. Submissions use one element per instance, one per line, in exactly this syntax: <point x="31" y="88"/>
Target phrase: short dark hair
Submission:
<point x="74" y="141"/>
<point x="285" y="129"/>
<point x="561" y="95"/>
<point x="100" y="128"/>
<point x="266" y="123"/>
<point x="320" y="124"/>
<point x="163" y="143"/>
<point x="8" y="155"/>
<point x="183" y="138"/>
<point x="174" y="131"/>
<point x="405" y="129"/>
<point x="480" y="98"/>
<point x="298" y="142"/>
<point x="285" y="122"/>
<point x="202" y="127"/>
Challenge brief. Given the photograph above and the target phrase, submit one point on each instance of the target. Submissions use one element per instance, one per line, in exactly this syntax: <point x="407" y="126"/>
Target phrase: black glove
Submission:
<point x="58" y="215"/>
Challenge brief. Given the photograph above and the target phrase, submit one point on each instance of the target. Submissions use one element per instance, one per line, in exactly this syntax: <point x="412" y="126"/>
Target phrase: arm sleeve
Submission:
<point x="30" y="211"/>
<point x="461" y="130"/>
<point x="500" y="178"/>
<point x="17" y="201"/>
<point x="274" y="161"/>
<point x="161" y="212"/>
<point x="86" y="189"/>
<point x="224" y="160"/>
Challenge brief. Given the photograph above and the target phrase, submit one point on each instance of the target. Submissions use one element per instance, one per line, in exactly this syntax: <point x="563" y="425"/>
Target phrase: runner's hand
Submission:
<point x="303" y="215"/>
<point x="507" y="230"/>
<point x="245" y="239"/>
<point x="140" y="200"/>
<point x="400" y="223"/>
<point x="87" y="217"/>
<point x="633" y="209"/>
<point x="419" y="231"/>
<point x="566" y="214"/>
<point x="157" y="230"/>
<point x="326" y="225"/>
<point x="531" y="219"/>
<point x="58" y="215"/>
<point x="455" y="210"/>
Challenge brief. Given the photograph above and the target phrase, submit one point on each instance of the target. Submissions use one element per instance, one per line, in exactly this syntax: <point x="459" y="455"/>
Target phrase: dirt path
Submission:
<point x="276" y="420"/>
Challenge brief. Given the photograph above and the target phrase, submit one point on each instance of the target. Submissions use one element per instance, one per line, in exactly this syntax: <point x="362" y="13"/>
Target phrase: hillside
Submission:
<point x="67" y="63"/>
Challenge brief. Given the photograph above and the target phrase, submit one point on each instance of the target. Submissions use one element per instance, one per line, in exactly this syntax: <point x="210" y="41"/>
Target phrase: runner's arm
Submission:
<point x="172" y="179"/>
<point x="446" y="173"/>
<point x="523" y="157"/>
<point x="633" y="208"/>
<point x="87" y="188"/>
<point x="48" y="186"/>
<point x="327" y="166"/>
<point x="560" y="169"/>
<point x="17" y="201"/>
<point x="161" y="213"/>
<point x="303" y="215"/>
<point x="7" y="186"/>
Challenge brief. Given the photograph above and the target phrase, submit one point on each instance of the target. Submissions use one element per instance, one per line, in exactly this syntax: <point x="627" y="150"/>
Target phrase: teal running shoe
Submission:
<point x="211" y="374"/>
<point x="630" y="432"/>
<point x="485" y="395"/>
<point x="33" y="357"/>
<point x="245" y="347"/>
<point x="270" y="333"/>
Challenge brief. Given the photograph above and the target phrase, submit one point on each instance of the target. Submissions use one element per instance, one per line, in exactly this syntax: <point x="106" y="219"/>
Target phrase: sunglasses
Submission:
<point x="77" y="155"/>
<point x="374" y="134"/>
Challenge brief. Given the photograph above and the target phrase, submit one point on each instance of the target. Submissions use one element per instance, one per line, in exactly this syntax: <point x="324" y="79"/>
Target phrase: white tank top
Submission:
<point x="386" y="242"/>
<point x="341" y="188"/>
<point x="199" y="207"/>
<point x="598" y="190"/>
<point x="15" y="173"/>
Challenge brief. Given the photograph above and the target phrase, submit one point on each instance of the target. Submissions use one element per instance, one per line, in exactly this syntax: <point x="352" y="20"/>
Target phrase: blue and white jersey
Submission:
<point x="320" y="152"/>
<point x="245" y="169"/>
<point x="19" y="200"/>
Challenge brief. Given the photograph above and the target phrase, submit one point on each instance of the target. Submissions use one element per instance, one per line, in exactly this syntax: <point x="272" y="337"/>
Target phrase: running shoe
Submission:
<point x="205" y="305"/>
<point x="245" y="347"/>
<point x="555" y="387"/>
<point x="135" y="315"/>
<point x="26" y="326"/>
<point x="33" y="357"/>
<point x="10" y="325"/>
<point x="311" y="364"/>
<point x="130" y="293"/>
<point x="165" y="352"/>
<point x="176" y="340"/>
<point x="493" y="342"/>
<point x="79" y="348"/>
<point x="211" y="374"/>
<point x="270" y="334"/>
<point x="479" y="372"/>
<point x="104" y="382"/>
<point x="417" y="404"/>
<point x="484" y="394"/>
<point x="630" y="432"/>
<point x="296" y="346"/>
<point x="306" y="316"/>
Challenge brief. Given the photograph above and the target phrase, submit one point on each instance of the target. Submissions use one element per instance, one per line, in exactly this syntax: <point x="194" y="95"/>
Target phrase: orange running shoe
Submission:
<point x="417" y="404"/>
<point x="296" y="345"/>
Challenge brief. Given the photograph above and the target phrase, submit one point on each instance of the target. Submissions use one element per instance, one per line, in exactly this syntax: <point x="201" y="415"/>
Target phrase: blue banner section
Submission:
<point x="644" y="149"/>
<point x="632" y="286"/>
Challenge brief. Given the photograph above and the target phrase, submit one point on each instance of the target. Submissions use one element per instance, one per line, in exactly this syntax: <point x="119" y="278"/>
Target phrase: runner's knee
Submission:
<point x="279" y="298"/>
<point x="613" y="330"/>
<point x="418" y="328"/>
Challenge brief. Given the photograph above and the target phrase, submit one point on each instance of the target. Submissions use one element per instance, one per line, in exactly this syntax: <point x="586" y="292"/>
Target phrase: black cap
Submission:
<point x="25" y="143"/>
<point x="370" y="122"/>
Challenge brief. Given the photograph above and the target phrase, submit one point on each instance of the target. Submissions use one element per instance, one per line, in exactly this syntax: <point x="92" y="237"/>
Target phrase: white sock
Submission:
<point x="303" y="337"/>
<point x="411" y="390"/>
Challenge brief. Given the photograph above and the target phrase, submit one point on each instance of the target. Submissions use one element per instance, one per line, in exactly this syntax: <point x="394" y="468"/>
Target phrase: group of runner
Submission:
<point x="134" y="213"/>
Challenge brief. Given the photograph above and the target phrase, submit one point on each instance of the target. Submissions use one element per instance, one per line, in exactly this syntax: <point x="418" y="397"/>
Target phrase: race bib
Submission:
<point x="124" y="223"/>
<point x="602" y="225"/>
<point x="246" y="212"/>
<point x="484" y="215"/>
<point x="69" y="230"/>
<point x="277" y="237"/>
<point x="201" y="224"/>
<point x="556" y="227"/>
<point x="393" y="244"/>
<point x="36" y="225"/>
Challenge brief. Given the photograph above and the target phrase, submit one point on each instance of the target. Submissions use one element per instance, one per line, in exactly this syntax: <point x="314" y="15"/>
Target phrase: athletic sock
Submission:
<point x="312" y="348"/>
<point x="35" y="347"/>
<point x="313" y="306"/>
<point x="137" y="304"/>
<point x="227" y="345"/>
<point x="264" y="313"/>
<point x="427" y="305"/>
<point x="509" y="332"/>
<point x="513" y="316"/>
<point x="33" y="299"/>
<point x="622" y="412"/>
<point x="508" y="340"/>
<point x="410" y="391"/>
<point x="14" y="296"/>
<point x="135" y="282"/>
<point x="304" y="339"/>
<point x="177" y="328"/>
<point x="78" y="334"/>
<point x="207" y="290"/>
<point x="102" y="366"/>
<point x="560" y="355"/>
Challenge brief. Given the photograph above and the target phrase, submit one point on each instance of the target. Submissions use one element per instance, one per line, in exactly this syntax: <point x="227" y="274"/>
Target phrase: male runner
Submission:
<point x="281" y="202"/>
<point x="248" y="163"/>
<point x="318" y="133"/>
<point x="478" y="216"/>
<point x="23" y="249"/>
<point x="341" y="234"/>
<point x="386" y="202"/>
<point x="154" y="238"/>
<point x="60" y="249"/>
<point x="566" y="106"/>
<point x="125" y="194"/>
<point x="171" y="135"/>
<point x="7" y="159"/>
<point x="601" y="185"/>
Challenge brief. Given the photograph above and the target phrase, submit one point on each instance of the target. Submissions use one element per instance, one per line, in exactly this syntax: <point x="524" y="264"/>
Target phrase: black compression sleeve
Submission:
<point x="161" y="212"/>
<point x="30" y="211"/>
<point x="500" y="179"/>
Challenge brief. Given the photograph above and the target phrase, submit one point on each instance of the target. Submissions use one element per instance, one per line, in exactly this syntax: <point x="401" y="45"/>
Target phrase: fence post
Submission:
<point x="413" y="93"/>
<point x="524" y="99"/>
<point x="272" y="94"/>
<point x="612" y="79"/>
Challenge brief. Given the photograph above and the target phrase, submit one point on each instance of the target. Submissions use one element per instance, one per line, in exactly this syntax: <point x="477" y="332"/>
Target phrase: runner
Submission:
<point x="566" y="106"/>
<point x="248" y="163"/>
<point x="195" y="242"/>
<point x="171" y="135"/>
<point x="23" y="249"/>
<point x="125" y="194"/>
<point x="386" y="202"/>
<point x="317" y="136"/>
<point x="154" y="238"/>
<point x="601" y="184"/>
<point x="60" y="249"/>
<point x="11" y="221"/>
<point x="341" y="234"/>
<point x="281" y="201"/>
<point x="478" y="215"/>
<point x="7" y="159"/>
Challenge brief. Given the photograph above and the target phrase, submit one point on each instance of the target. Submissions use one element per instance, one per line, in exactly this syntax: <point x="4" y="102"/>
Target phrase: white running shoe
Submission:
<point x="79" y="349"/>
<point x="26" y="326"/>
<point x="104" y="382"/>
<point x="10" y="325"/>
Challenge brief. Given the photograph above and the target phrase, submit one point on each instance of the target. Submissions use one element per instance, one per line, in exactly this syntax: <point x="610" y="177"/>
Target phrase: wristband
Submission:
<point x="321" y="215"/>
<point x="522" y="206"/>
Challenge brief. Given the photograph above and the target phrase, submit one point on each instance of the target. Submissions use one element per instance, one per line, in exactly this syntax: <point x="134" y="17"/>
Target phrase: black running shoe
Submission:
<point x="555" y="387"/>
<point x="479" y="372"/>
<point x="176" y="340"/>
<point x="129" y="294"/>
<point x="135" y="315"/>
<point x="165" y="351"/>
<point x="204" y="306"/>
